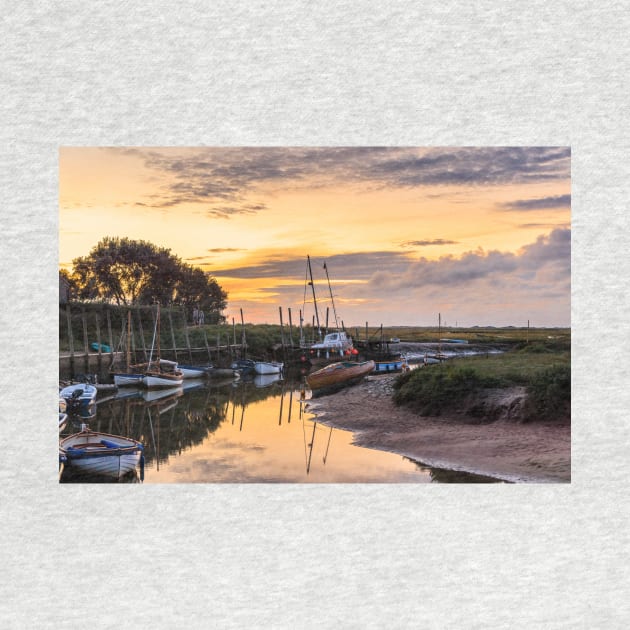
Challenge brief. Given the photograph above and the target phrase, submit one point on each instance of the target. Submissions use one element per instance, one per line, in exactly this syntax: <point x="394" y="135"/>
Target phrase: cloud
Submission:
<point x="224" y="212"/>
<point x="550" y="255"/>
<point x="545" y="203"/>
<point x="220" y="250"/>
<point x="435" y="241"/>
<point x="230" y="176"/>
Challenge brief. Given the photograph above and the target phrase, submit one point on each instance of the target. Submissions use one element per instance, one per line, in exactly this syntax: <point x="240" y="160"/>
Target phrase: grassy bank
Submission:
<point x="543" y="369"/>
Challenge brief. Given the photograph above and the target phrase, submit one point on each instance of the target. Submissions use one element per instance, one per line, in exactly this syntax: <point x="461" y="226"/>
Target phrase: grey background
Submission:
<point x="327" y="73"/>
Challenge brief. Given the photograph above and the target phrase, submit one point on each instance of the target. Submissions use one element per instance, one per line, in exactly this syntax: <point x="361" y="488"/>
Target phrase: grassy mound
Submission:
<point x="454" y="386"/>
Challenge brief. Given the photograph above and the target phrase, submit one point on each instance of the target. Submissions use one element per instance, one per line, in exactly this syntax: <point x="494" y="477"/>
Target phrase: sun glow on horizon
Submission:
<point x="402" y="230"/>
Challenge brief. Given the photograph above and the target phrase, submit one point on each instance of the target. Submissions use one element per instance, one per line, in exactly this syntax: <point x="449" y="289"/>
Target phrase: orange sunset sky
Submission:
<point x="480" y="235"/>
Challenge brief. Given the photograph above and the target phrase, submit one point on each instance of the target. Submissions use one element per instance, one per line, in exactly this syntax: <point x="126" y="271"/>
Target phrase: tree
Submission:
<point x="126" y="272"/>
<point x="196" y="288"/>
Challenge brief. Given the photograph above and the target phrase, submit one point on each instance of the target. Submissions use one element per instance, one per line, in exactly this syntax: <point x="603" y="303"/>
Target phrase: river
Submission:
<point x="241" y="432"/>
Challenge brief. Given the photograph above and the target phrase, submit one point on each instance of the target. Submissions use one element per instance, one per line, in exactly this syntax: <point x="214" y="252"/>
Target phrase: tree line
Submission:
<point x="123" y="271"/>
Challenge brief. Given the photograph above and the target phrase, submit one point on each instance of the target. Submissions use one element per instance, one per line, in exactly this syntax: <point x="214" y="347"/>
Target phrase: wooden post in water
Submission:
<point x="243" y="342"/>
<point x="218" y="344"/>
<point x="141" y="331"/>
<point x="186" y="334"/>
<point x="170" y="321"/>
<point x="86" y="345"/>
<point x="234" y="330"/>
<point x="70" y="338"/>
<point x="109" y="332"/>
<point x="205" y="338"/>
<point x="98" y="339"/>
<point x="290" y="327"/>
<point x="281" y="331"/>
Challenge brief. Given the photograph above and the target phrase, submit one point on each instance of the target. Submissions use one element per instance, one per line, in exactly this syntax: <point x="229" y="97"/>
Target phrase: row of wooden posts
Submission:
<point x="80" y="351"/>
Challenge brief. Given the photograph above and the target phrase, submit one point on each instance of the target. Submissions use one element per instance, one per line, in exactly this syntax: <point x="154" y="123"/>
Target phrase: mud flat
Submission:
<point x="504" y="448"/>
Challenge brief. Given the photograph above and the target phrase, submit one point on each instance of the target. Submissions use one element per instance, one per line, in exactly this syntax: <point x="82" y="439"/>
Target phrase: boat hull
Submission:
<point x="101" y="453"/>
<point x="339" y="373"/>
<point x="381" y="367"/>
<point x="128" y="380"/>
<point x="84" y="400"/>
<point x="163" y="379"/>
<point x="188" y="371"/>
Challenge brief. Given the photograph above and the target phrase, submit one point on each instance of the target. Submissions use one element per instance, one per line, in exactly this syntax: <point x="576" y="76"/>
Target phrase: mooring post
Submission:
<point x="86" y="346"/>
<point x="141" y="330"/>
<point x="109" y="332"/>
<point x="170" y="321"/>
<point x="243" y="342"/>
<point x="98" y="339"/>
<point x="70" y="337"/>
<point x="290" y="327"/>
<point x="186" y="334"/>
<point x="205" y="338"/>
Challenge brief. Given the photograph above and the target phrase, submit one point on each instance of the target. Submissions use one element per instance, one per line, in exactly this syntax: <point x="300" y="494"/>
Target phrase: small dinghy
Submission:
<point x="101" y="453"/>
<point x="78" y="396"/>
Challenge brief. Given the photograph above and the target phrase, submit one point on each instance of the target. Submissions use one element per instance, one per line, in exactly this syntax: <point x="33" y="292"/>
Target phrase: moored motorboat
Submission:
<point x="339" y="373"/>
<point x="101" y="453"/>
<point x="78" y="396"/>
<point x="268" y="367"/>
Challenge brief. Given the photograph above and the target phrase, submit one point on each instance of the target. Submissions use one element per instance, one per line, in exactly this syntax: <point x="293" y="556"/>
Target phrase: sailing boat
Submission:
<point x="160" y="373"/>
<point x="335" y="342"/>
<point x="129" y="376"/>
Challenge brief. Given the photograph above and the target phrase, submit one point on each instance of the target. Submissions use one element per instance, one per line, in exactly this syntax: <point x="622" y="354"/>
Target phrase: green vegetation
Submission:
<point x="511" y="337"/>
<point x="541" y="368"/>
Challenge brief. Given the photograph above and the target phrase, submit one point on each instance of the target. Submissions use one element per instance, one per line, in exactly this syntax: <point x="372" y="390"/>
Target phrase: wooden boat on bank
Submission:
<point x="101" y="453"/>
<point x="339" y="373"/>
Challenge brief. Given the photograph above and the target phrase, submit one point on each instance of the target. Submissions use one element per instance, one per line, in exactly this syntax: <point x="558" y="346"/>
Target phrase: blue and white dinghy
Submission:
<point x="79" y="395"/>
<point x="101" y="453"/>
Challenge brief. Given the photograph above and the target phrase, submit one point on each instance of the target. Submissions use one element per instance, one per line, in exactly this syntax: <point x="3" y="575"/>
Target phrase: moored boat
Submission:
<point x="268" y="367"/>
<point x="339" y="373"/>
<point x="192" y="371"/>
<point x="101" y="453"/>
<point x="160" y="372"/>
<point x="394" y="365"/>
<point x="78" y="396"/>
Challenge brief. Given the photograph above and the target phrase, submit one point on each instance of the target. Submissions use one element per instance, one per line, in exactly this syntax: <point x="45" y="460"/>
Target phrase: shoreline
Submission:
<point x="504" y="449"/>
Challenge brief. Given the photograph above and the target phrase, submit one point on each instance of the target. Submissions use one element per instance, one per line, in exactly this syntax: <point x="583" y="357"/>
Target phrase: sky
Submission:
<point x="479" y="235"/>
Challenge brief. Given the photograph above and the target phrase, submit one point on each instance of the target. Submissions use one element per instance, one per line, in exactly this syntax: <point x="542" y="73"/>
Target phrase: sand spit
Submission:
<point x="500" y="447"/>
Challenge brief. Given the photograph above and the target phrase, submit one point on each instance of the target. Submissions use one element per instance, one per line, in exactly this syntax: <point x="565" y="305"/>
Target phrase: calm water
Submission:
<point x="252" y="431"/>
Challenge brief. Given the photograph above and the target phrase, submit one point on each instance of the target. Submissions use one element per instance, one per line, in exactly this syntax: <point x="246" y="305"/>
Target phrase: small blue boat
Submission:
<point x="394" y="365"/>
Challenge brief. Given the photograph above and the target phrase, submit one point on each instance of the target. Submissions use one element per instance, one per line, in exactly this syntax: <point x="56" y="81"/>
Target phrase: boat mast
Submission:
<point x="331" y="298"/>
<point x="310" y="273"/>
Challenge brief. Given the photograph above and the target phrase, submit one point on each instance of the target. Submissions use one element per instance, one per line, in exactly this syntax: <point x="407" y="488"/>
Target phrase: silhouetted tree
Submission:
<point x="126" y="272"/>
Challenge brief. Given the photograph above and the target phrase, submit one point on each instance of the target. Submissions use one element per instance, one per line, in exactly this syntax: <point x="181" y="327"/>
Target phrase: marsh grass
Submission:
<point x="542" y="370"/>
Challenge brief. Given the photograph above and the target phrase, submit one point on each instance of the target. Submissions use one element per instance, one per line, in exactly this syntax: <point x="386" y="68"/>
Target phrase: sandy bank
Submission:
<point x="503" y="449"/>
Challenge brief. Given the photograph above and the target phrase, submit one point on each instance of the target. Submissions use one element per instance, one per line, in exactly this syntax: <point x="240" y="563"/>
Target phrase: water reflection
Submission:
<point x="256" y="430"/>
